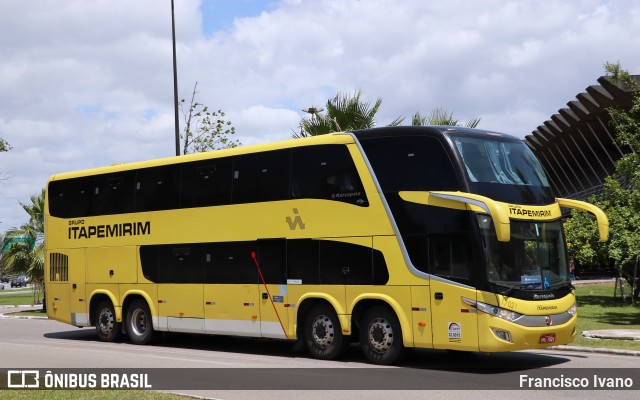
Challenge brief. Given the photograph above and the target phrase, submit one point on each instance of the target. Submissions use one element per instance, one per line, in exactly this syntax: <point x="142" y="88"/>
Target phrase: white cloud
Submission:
<point x="86" y="84"/>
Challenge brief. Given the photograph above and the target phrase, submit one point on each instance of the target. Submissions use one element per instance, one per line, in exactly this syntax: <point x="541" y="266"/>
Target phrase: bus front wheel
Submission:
<point x="380" y="336"/>
<point x="107" y="328"/>
<point x="139" y="325"/>
<point x="323" y="334"/>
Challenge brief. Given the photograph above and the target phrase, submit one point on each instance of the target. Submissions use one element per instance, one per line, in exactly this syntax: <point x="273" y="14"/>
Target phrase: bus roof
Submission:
<point x="332" y="138"/>
<point x="435" y="130"/>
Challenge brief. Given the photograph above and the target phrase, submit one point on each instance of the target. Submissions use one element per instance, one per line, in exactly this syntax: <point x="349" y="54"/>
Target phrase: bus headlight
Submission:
<point x="499" y="312"/>
<point x="574" y="309"/>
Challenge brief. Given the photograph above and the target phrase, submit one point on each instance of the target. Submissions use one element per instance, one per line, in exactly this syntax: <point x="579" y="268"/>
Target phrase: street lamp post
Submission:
<point x="175" y="82"/>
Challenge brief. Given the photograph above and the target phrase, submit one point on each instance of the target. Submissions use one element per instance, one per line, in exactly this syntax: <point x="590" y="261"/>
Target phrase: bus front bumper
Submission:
<point x="498" y="335"/>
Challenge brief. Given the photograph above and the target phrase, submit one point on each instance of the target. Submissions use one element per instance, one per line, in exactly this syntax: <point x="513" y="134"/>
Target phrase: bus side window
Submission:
<point x="206" y="183"/>
<point x="158" y="188"/>
<point x="303" y="258"/>
<point x="345" y="263"/>
<point x="261" y="177"/>
<point x="410" y="163"/>
<point x="451" y="257"/>
<point x="326" y="172"/>
<point x="71" y="198"/>
<point x="232" y="263"/>
<point x="113" y="193"/>
<point x="272" y="259"/>
<point x="417" y="247"/>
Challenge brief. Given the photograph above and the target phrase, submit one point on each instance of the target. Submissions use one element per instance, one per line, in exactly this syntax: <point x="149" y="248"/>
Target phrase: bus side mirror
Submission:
<point x="465" y="201"/>
<point x="601" y="217"/>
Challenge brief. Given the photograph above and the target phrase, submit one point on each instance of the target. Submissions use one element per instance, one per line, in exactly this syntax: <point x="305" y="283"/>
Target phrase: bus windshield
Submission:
<point x="533" y="260"/>
<point x="504" y="170"/>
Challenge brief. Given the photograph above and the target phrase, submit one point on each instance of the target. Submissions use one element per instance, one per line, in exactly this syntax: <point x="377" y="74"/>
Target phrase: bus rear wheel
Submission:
<point x="107" y="328"/>
<point x="139" y="325"/>
<point x="380" y="336"/>
<point x="323" y="334"/>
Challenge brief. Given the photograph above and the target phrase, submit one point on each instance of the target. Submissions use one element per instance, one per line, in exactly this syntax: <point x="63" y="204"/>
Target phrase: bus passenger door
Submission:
<point x="454" y="324"/>
<point x="274" y="307"/>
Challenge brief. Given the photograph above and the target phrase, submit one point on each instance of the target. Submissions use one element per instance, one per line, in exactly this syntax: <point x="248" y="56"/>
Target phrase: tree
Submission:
<point x="4" y="145"/>
<point x="344" y="112"/>
<point x="621" y="199"/>
<point x="205" y="130"/>
<point x="348" y="112"/>
<point x="441" y="116"/>
<point x="27" y="256"/>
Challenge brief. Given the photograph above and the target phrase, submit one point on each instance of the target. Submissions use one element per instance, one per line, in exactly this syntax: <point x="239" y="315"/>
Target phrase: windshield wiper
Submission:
<point x="509" y="291"/>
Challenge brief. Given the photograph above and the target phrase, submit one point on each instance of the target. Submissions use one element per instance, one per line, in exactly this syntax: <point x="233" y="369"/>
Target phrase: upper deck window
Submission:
<point x="410" y="163"/>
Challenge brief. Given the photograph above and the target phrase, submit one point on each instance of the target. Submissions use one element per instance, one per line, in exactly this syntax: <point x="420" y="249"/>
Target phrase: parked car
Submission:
<point x="4" y="279"/>
<point x="20" y="281"/>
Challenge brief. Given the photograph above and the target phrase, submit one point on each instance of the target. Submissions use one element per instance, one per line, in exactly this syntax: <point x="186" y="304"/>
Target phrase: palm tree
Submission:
<point x="441" y="116"/>
<point x="343" y="113"/>
<point x="26" y="256"/>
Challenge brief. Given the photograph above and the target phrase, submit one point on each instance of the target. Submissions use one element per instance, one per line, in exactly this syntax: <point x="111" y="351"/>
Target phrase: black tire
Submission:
<point x="139" y="323"/>
<point x="381" y="336"/>
<point x="323" y="333"/>
<point x="107" y="328"/>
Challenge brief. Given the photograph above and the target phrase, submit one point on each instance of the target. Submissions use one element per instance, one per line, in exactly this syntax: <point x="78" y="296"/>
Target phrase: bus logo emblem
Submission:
<point x="548" y="320"/>
<point x="296" y="221"/>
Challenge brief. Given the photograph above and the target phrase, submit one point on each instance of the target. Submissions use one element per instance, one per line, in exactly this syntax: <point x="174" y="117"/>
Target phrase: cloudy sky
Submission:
<point x="89" y="83"/>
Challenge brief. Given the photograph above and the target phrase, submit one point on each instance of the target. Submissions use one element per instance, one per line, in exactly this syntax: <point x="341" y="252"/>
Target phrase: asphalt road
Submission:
<point x="44" y="344"/>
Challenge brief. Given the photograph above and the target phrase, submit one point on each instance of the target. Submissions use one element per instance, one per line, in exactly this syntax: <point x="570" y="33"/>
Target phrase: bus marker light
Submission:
<point x="254" y="316"/>
<point x="345" y="330"/>
<point x="422" y="323"/>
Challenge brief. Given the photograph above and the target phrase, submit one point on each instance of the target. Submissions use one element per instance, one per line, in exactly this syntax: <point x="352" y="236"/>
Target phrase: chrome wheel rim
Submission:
<point x="139" y="322"/>
<point x="323" y="331"/>
<point x="106" y="321"/>
<point x="380" y="335"/>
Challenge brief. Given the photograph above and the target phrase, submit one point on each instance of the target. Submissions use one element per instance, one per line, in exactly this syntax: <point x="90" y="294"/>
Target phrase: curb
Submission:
<point x="601" y="350"/>
<point x="3" y="313"/>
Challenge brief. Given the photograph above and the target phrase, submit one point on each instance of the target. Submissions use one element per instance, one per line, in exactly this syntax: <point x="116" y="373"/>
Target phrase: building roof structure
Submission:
<point x="577" y="145"/>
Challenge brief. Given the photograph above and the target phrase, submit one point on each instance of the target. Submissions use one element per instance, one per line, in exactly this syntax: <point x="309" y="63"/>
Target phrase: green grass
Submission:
<point x="597" y="309"/>
<point x="87" y="394"/>
<point x="15" y="299"/>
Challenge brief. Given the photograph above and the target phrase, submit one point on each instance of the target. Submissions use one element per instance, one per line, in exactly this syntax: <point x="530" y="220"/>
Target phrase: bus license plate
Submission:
<point x="548" y="338"/>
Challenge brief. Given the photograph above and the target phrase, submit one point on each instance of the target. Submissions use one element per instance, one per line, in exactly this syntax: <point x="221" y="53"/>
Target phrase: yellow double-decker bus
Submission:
<point x="398" y="237"/>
